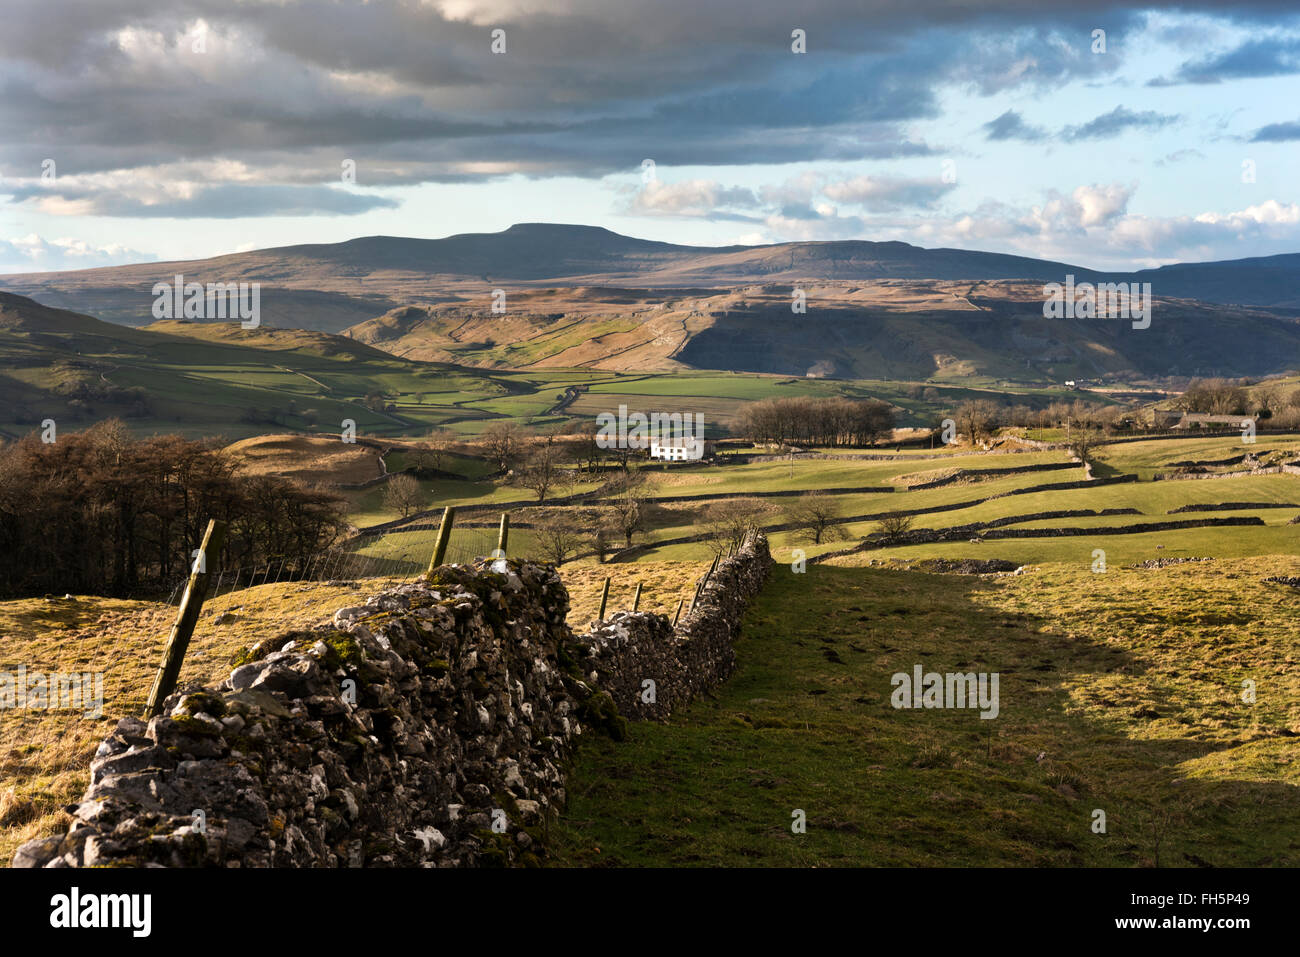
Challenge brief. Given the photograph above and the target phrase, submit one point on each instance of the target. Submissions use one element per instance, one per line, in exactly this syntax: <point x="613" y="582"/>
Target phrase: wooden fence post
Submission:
<point x="705" y="580"/>
<point x="164" y="683"/>
<point x="636" y="599"/>
<point x="680" y="602"/>
<point x="503" y="535"/>
<point x="604" y="596"/>
<point x="444" y="536"/>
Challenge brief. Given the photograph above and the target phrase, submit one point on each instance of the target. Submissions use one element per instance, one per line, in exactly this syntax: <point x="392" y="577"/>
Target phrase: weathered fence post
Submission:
<point x="503" y="536"/>
<point x="604" y="596"/>
<point x="636" y="599"/>
<point x="444" y="536"/>
<point x="164" y="683"/>
<point x="699" y="588"/>
<point x="680" y="602"/>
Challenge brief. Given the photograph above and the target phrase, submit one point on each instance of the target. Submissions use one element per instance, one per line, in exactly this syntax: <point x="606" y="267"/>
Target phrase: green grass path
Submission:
<point x="1109" y="700"/>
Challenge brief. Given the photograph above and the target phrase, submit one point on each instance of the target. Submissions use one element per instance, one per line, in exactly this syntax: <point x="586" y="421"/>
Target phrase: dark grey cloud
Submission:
<point x="1115" y="122"/>
<point x="1277" y="132"/>
<point x="1012" y="126"/>
<point x="1271" y="56"/>
<point x="287" y="89"/>
<point x="223" y="201"/>
<point x="1179" y="156"/>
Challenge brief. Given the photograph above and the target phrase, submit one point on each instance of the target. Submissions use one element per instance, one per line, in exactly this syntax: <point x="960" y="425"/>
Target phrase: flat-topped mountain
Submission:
<point x="586" y="296"/>
<point x="331" y="286"/>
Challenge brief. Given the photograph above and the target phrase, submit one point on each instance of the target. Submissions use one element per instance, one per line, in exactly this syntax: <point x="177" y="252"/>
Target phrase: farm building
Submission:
<point x="689" y="449"/>
<point x="1201" y="420"/>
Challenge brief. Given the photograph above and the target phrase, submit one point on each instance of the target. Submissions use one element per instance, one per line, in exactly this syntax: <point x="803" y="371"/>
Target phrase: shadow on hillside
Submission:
<point x="807" y="718"/>
<point x="1104" y="470"/>
<point x="1131" y="764"/>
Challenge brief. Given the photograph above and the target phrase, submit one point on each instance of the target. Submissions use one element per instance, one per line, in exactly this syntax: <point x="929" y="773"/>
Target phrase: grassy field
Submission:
<point x="663" y="584"/>
<point x="1119" y="689"/>
<point x="45" y="755"/>
<point x="686" y="498"/>
<point x="214" y="378"/>
<point x="1118" y="693"/>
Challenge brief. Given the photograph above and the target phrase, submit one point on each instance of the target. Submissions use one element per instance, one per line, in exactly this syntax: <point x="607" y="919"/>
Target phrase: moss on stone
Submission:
<point x="600" y="711"/>
<point x="341" y="649"/>
<point x="203" y="701"/>
<point x="187" y="724"/>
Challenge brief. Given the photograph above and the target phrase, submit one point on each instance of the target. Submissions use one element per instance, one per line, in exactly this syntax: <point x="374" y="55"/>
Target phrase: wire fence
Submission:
<point x="399" y="556"/>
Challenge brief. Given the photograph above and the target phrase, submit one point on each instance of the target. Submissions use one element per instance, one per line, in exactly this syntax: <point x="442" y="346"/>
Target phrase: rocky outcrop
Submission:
<point x="981" y="531"/>
<point x="1229" y="507"/>
<point x="1193" y="476"/>
<point x="978" y="475"/>
<point x="1158" y="563"/>
<point x="431" y="726"/>
<point x="969" y="566"/>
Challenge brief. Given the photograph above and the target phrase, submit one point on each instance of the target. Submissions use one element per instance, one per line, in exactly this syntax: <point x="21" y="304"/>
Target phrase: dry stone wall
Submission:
<point x="431" y="726"/>
<point x="651" y="669"/>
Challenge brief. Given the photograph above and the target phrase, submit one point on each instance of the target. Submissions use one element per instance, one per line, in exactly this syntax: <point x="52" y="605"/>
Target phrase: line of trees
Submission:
<point x="102" y="512"/>
<point x="812" y="421"/>
<point x="1276" y="405"/>
<point x="981" y="418"/>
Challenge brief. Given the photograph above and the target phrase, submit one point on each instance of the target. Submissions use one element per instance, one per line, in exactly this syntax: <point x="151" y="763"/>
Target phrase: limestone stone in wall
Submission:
<point x="621" y="654"/>
<point x="431" y="726"/>
<point x="462" y="712"/>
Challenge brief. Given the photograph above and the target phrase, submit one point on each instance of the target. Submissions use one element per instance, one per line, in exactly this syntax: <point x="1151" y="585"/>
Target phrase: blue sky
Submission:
<point x="187" y="129"/>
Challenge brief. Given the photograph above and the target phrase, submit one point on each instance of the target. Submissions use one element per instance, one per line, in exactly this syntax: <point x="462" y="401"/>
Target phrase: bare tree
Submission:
<point x="894" y="524"/>
<point x="558" y="536"/>
<point x="815" y="513"/>
<point x="433" y="451"/>
<point x="585" y="447"/>
<point x="542" y="470"/>
<point x="403" y="494"/>
<point x="598" y="537"/>
<point x="976" y="417"/>
<point x="729" y="522"/>
<point x="503" y="442"/>
<point x="1083" y="443"/>
<point x="630" y="510"/>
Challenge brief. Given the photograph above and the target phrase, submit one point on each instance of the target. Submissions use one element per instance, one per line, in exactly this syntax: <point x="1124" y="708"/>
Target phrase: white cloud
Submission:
<point x="34" y="253"/>
<point x="887" y="192"/>
<point x="692" y="197"/>
<point x="1098" y="205"/>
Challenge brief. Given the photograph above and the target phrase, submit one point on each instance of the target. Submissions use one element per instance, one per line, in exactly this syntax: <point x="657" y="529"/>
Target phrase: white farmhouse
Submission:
<point x="689" y="449"/>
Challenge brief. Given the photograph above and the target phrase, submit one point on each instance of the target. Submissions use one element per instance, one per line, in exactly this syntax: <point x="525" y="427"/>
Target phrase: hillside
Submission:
<point x="332" y="286"/>
<point x="216" y="378"/>
<point x="1118" y="683"/>
<point x="885" y="329"/>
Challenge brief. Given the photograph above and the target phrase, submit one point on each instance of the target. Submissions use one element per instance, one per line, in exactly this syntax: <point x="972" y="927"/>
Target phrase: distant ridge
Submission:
<point x="368" y="269"/>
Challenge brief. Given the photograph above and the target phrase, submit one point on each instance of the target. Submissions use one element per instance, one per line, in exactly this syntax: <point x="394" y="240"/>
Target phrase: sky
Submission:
<point x="1112" y="137"/>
